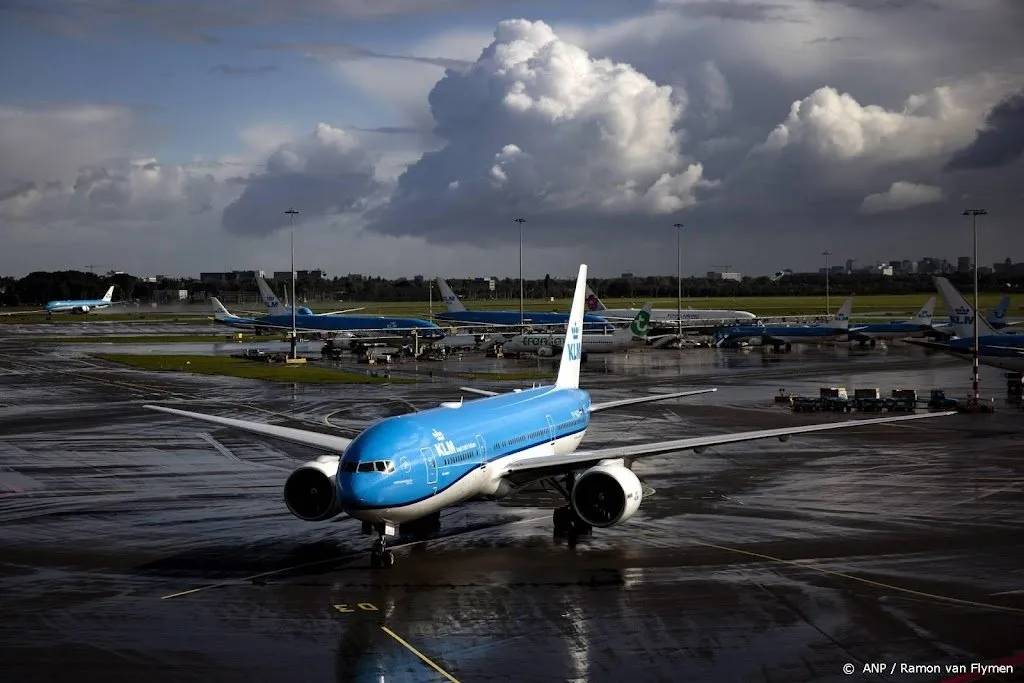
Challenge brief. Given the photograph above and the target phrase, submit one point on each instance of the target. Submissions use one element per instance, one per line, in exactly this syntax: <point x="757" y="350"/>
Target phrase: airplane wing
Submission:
<point x="346" y="310"/>
<point x="565" y="463"/>
<point x="479" y="392"/>
<point x="25" y="312"/>
<point x="327" y="442"/>
<point x="598" y="407"/>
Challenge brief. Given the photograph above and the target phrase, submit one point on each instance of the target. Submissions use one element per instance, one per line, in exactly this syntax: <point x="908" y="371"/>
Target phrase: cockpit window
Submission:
<point x="366" y="467"/>
<point x="348" y="466"/>
<point x="380" y="465"/>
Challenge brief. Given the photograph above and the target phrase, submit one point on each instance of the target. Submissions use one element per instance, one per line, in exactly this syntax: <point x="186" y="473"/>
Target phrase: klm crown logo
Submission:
<point x="439" y="435"/>
<point x="842" y="316"/>
<point x="574" y="332"/>
<point x="575" y="347"/>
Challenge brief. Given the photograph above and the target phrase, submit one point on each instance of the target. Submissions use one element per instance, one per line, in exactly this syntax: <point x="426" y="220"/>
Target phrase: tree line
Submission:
<point x="40" y="287"/>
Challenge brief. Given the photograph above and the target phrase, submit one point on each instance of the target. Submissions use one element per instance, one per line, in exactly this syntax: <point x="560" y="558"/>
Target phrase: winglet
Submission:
<point x="572" y="349"/>
<point x="999" y="314"/>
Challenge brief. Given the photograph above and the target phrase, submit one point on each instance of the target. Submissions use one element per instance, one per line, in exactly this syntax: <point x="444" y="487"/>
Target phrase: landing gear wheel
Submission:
<point x="563" y="519"/>
<point x="380" y="556"/>
<point x="789" y="347"/>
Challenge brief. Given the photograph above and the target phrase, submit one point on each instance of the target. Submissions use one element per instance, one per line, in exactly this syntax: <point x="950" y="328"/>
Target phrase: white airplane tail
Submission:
<point x="572" y="349"/>
<point x="924" y="316"/>
<point x="594" y="303"/>
<point x="961" y="313"/>
<point x="270" y="300"/>
<point x="450" y="300"/>
<point x="109" y="296"/>
<point x="219" y="312"/>
<point x="640" y="326"/>
<point x="998" y="315"/>
<point x="841" y="320"/>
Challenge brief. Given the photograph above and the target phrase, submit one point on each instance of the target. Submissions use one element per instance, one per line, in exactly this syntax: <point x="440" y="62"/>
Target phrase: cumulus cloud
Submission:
<point x="999" y="142"/>
<point x="831" y="126"/>
<point x="901" y="195"/>
<point x="538" y="124"/>
<point x="323" y="173"/>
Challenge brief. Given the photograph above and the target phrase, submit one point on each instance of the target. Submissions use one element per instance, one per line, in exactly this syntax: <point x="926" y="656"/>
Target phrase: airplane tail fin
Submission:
<point x="924" y="316"/>
<point x="998" y="315"/>
<point x="641" y="324"/>
<point x="961" y="313"/>
<point x="270" y="300"/>
<point x="219" y="312"/>
<point x="594" y="303"/>
<point x="450" y="300"/>
<point x="109" y="296"/>
<point x="841" y="320"/>
<point x="572" y="349"/>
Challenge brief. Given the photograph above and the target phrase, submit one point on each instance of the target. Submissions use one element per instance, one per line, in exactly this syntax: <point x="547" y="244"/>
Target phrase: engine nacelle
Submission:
<point x="311" y="491"/>
<point x="606" y="495"/>
<point x="83" y="309"/>
<point x="545" y="351"/>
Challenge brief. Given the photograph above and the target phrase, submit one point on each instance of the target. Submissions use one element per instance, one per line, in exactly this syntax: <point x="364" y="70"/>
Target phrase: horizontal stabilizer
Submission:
<point x="327" y="442"/>
<point x="597" y="407"/>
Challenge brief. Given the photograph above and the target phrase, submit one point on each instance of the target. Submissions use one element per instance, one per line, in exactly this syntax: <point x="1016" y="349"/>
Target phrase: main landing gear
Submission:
<point x="566" y="521"/>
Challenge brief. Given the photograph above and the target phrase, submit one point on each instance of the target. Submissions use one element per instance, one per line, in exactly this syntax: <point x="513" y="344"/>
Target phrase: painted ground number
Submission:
<point x="357" y="607"/>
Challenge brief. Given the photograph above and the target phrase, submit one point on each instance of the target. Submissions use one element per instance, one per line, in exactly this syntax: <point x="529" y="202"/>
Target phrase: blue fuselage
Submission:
<point x="780" y="333"/>
<point x="339" y="322"/>
<point x="76" y="304"/>
<point x="888" y="330"/>
<point x="512" y="318"/>
<point x="435" y="452"/>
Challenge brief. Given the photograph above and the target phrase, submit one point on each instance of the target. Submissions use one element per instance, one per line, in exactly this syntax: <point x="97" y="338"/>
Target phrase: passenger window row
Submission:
<point x="384" y="466"/>
<point x="461" y="457"/>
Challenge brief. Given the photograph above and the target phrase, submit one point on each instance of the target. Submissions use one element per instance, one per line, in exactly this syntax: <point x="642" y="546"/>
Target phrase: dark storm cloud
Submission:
<point x="731" y="10"/>
<point x="241" y="71"/>
<point x="999" y="142"/>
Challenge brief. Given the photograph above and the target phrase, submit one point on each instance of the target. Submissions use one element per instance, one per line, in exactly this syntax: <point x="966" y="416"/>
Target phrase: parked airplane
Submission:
<point x="457" y="313"/>
<point x="787" y="335"/>
<point x="327" y="323"/>
<point x="999" y="349"/>
<point x="407" y="468"/>
<point x="275" y="307"/>
<point x="870" y="333"/>
<point x="74" y="305"/>
<point x="546" y="345"/>
<point x="664" y="315"/>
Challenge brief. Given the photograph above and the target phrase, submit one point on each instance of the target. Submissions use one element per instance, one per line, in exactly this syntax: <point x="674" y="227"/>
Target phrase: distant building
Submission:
<point x="627" y="275"/>
<point x="231" y="276"/>
<point x="718" y="277"/>
<point x="300" y="275"/>
<point x="168" y="296"/>
<point x="963" y="264"/>
<point x="849" y="265"/>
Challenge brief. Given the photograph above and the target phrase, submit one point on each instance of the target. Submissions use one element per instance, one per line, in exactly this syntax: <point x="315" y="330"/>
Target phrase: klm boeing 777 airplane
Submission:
<point x="405" y="469"/>
<point x="778" y="336"/>
<point x="75" y="305"/>
<point x="921" y="326"/>
<point x="457" y="313"/>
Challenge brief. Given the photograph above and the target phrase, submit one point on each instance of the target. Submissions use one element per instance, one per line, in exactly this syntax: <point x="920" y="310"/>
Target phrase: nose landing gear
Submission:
<point x="380" y="556"/>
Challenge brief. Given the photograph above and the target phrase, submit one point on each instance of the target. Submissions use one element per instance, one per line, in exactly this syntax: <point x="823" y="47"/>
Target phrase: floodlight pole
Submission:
<point x="975" y="381"/>
<point x="679" y="279"/>
<point x="828" y="298"/>
<point x="522" y="315"/>
<point x="295" y="335"/>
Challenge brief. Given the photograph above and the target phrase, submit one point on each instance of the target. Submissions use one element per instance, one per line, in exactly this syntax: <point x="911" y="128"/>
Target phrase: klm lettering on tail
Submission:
<point x="962" y="316"/>
<point x="574" y="346"/>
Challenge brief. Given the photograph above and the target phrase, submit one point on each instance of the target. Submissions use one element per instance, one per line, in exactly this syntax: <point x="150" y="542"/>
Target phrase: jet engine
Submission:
<point x="606" y="494"/>
<point x="311" y="491"/>
<point x="83" y="309"/>
<point x="545" y="351"/>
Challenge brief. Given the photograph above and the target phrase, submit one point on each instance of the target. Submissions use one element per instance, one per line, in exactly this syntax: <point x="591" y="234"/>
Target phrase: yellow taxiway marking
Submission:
<point x="851" y="577"/>
<point x="419" y="654"/>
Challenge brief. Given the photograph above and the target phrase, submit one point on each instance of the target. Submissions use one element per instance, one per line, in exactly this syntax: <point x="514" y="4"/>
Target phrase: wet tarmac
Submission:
<point x="134" y="545"/>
